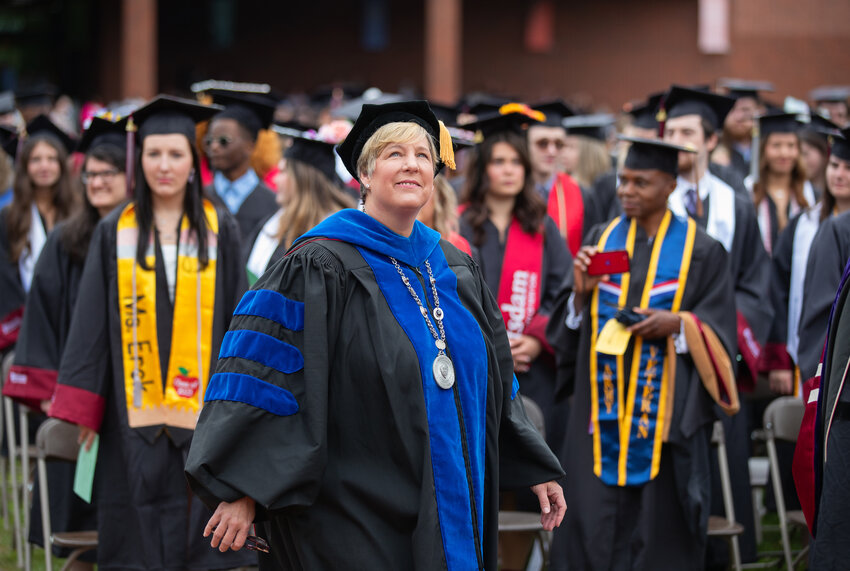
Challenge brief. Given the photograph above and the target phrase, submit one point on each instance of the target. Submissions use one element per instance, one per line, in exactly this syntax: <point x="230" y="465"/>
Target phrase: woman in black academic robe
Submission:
<point x="132" y="292"/>
<point x="501" y="213"/>
<point x="50" y="304"/>
<point x="364" y="430"/>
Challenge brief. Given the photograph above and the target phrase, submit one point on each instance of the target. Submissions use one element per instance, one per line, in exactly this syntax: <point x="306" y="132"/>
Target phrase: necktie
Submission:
<point x="691" y="202"/>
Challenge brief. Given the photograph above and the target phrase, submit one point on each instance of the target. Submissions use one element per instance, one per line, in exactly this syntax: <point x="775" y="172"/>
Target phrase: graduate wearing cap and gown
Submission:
<point x="775" y="167"/>
<point x="565" y="199"/>
<point x="523" y="262"/>
<point x="325" y="412"/>
<point x="832" y="102"/>
<point x="50" y="304"/>
<point x="16" y="274"/>
<point x="142" y="342"/>
<point x="735" y="148"/>
<point x="308" y="191"/>
<point x="229" y="142"/>
<point x="637" y="455"/>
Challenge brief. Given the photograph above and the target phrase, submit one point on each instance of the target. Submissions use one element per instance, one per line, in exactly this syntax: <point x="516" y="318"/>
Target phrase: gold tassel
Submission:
<point x="447" y="152"/>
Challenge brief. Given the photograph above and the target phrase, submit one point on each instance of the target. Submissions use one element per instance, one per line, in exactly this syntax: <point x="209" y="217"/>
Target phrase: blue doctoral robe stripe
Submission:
<point x="273" y="306"/>
<point x="252" y="391"/>
<point x="466" y="345"/>
<point x="262" y="348"/>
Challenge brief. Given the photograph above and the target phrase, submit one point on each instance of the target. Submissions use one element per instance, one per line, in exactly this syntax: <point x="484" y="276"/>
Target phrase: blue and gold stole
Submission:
<point x="629" y="419"/>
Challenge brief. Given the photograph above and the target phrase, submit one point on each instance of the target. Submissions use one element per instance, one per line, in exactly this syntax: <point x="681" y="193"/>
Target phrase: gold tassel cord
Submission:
<point x="447" y="152"/>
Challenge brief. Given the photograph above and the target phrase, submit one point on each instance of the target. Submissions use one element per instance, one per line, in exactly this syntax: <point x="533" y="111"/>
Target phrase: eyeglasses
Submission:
<point x="105" y="176"/>
<point x="222" y="141"/>
<point x="543" y="144"/>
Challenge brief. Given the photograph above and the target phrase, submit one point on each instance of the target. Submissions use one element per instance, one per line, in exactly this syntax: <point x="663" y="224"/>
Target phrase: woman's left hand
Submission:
<point x="552" y="504"/>
<point x="524" y="350"/>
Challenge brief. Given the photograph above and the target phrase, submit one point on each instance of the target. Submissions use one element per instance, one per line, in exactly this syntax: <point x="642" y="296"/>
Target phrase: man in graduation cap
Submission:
<point x="832" y="102"/>
<point x="230" y="142"/>
<point x="694" y="117"/>
<point x="653" y="354"/>
<point x="735" y="149"/>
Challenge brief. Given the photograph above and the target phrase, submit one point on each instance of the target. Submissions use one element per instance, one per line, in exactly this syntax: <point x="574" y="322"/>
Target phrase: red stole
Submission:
<point x="566" y="207"/>
<point x="519" y="284"/>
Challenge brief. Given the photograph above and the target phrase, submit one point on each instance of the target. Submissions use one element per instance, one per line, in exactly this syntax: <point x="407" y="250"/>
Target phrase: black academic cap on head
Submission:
<point x="555" y="111"/>
<point x="482" y="103"/>
<point x="166" y="115"/>
<point x="779" y="123"/>
<point x="317" y="154"/>
<point x="373" y="117"/>
<point x="839" y="145"/>
<point x="445" y="113"/>
<point x="7" y="102"/>
<point x="254" y="111"/>
<point x="830" y="93"/>
<point x="596" y="126"/>
<point x="680" y="101"/>
<point x="652" y="154"/>
<point x="42" y="125"/>
<point x="511" y="117"/>
<point x="102" y="131"/>
<point x="36" y="94"/>
<point x="740" y="88"/>
<point x="821" y="124"/>
<point x="644" y="113"/>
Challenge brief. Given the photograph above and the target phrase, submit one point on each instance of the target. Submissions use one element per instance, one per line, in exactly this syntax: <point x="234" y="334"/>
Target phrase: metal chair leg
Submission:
<point x="16" y="507"/>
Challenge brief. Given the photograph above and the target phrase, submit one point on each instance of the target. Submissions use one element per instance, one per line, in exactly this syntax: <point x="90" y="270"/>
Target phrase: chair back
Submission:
<point x="783" y="418"/>
<point x="534" y="414"/>
<point x="57" y="440"/>
<point x="7" y="366"/>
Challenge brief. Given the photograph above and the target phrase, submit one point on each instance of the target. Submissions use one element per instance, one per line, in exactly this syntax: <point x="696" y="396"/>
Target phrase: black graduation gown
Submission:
<point x="255" y="208"/>
<point x="662" y="524"/>
<point x="12" y="294"/>
<point x="42" y="337"/>
<point x="539" y="383"/>
<point x="147" y="517"/>
<point x="830" y="251"/>
<point x="349" y="479"/>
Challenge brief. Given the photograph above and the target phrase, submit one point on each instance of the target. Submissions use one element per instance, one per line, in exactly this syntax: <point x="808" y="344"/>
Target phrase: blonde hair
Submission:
<point x="445" y="207"/>
<point x="593" y="160"/>
<point x="391" y="133"/>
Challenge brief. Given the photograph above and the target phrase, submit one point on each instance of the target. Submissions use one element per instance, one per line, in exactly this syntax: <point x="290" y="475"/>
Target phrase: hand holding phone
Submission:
<point x="605" y="263"/>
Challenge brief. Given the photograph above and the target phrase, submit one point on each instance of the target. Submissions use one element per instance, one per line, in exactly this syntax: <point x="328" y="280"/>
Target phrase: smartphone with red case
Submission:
<point x="614" y="262"/>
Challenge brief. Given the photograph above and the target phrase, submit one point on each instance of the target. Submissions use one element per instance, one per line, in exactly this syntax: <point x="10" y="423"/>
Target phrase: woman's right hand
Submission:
<point x="230" y="524"/>
<point x="781" y="381"/>
<point x="86" y="437"/>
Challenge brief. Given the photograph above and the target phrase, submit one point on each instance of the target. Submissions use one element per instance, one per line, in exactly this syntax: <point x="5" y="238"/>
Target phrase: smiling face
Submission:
<point x="402" y="180"/>
<point x="166" y="164"/>
<point x="106" y="185"/>
<point x="43" y="165"/>
<point x="781" y="152"/>
<point x="838" y="178"/>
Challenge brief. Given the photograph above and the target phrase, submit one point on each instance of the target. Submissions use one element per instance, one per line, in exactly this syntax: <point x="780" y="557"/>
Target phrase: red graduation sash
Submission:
<point x="519" y="284"/>
<point x="10" y="326"/>
<point x="566" y="207"/>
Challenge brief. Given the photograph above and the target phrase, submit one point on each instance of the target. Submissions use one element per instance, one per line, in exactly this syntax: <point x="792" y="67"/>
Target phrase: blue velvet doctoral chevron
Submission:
<point x="274" y="307"/>
<point x="263" y="349"/>
<point x="251" y="391"/>
<point x="466" y="347"/>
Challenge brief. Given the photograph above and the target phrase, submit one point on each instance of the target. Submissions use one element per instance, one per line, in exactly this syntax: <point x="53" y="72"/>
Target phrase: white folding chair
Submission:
<point x="782" y="420"/>
<point x="12" y="449"/>
<point x="57" y="440"/>
<point x="727" y="527"/>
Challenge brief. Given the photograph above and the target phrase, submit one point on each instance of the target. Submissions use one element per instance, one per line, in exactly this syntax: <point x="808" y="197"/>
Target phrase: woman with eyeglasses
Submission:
<point x="522" y="255"/>
<point x="42" y="197"/>
<point x="50" y="304"/>
<point x="158" y="288"/>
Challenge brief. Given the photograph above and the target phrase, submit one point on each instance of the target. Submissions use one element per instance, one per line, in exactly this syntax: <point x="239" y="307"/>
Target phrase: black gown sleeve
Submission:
<point x="266" y="406"/>
<point x="775" y="355"/>
<point x="557" y="263"/>
<point x="12" y="294"/>
<point x="85" y="366"/>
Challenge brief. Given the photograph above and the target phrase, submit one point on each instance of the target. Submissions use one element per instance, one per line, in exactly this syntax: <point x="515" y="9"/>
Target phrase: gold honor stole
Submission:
<point x="629" y="420"/>
<point x="177" y="401"/>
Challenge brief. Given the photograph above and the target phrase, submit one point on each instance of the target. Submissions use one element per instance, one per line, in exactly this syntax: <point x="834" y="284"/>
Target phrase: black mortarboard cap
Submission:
<point x="373" y="117"/>
<point x="511" y="117"/>
<point x="822" y="125"/>
<point x="351" y="109"/>
<point x="555" y="111"/>
<point x="165" y="115"/>
<point x="445" y="113"/>
<point x="652" y="154"/>
<point x="680" y="101"/>
<point x="778" y="123"/>
<point x="36" y="94"/>
<point x="254" y="111"/>
<point x="103" y="132"/>
<point x="7" y="102"/>
<point x="596" y="126"/>
<point x="840" y="145"/>
<point x="740" y="88"/>
<point x="830" y="93"/>
<point x="42" y="125"/>
<point x="318" y="154"/>
<point x="644" y="113"/>
<point x="483" y="103"/>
